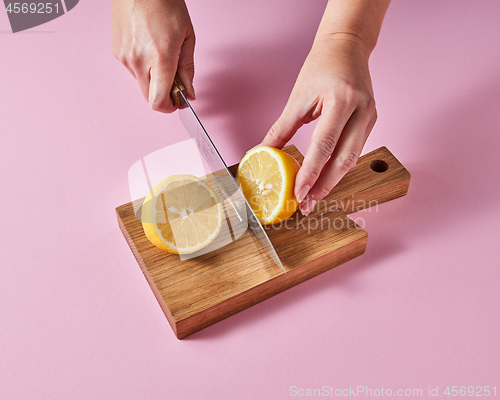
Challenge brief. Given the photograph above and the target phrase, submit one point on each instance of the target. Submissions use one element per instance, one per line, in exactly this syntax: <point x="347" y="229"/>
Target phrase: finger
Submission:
<point x="136" y="65"/>
<point x="161" y="80"/>
<point x="142" y="75"/>
<point x="323" y="142"/>
<point x="343" y="158"/>
<point x="283" y="129"/>
<point x="185" y="68"/>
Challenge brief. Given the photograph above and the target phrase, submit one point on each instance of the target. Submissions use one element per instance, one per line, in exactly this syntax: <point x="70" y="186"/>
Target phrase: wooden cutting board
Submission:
<point x="199" y="292"/>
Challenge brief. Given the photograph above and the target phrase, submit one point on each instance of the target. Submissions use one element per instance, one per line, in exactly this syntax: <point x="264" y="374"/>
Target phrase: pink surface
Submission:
<point x="419" y="309"/>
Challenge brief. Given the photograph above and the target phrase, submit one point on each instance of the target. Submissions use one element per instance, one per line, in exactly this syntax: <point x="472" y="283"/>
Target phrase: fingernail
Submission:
<point x="303" y="193"/>
<point x="307" y="207"/>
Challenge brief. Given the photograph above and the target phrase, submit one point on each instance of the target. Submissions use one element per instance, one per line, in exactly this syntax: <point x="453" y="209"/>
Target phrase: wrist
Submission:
<point x="360" y="19"/>
<point x="344" y="42"/>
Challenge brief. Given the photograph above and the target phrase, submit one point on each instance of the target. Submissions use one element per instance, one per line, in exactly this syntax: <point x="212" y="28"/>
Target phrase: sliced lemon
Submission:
<point x="182" y="214"/>
<point x="267" y="176"/>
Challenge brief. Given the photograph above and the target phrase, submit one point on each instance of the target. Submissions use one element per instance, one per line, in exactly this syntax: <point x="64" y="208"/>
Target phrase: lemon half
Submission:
<point x="182" y="214"/>
<point x="267" y="177"/>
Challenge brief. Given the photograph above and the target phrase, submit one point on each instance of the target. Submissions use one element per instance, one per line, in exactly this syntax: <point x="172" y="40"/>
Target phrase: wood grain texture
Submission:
<point x="198" y="292"/>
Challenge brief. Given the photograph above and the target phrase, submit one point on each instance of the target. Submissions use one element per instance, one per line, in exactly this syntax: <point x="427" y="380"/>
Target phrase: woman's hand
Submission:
<point x="155" y="40"/>
<point x="335" y="83"/>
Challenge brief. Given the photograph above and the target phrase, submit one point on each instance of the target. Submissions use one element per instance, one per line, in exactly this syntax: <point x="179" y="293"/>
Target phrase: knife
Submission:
<point x="237" y="202"/>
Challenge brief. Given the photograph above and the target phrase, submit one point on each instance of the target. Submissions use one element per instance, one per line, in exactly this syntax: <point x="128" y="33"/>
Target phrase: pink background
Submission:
<point x="420" y="308"/>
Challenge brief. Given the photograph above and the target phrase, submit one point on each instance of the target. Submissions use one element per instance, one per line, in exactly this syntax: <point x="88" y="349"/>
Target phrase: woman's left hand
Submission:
<point x="334" y="83"/>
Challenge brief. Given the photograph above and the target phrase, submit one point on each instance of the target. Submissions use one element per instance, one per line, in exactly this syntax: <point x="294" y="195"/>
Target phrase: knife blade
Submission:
<point x="227" y="183"/>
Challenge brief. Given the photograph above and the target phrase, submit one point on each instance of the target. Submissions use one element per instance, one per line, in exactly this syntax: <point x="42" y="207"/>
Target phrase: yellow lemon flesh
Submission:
<point x="182" y="214"/>
<point x="267" y="177"/>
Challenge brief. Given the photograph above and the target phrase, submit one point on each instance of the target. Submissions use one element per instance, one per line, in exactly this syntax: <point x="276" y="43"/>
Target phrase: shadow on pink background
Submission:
<point x="419" y="309"/>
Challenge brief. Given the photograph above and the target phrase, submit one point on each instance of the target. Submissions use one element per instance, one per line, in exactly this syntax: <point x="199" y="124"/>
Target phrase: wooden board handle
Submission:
<point x="377" y="177"/>
<point x="175" y="93"/>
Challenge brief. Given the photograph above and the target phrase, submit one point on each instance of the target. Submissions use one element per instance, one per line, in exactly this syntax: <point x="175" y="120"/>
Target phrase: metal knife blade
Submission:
<point x="225" y="179"/>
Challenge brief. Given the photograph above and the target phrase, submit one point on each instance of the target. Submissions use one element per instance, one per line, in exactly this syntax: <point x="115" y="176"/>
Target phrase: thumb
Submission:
<point x="283" y="129"/>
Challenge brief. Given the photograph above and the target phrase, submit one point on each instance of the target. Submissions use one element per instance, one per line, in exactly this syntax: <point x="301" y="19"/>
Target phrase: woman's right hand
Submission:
<point x="155" y="40"/>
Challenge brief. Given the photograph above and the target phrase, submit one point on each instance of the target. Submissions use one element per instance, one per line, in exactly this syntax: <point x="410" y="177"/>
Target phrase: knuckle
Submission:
<point x="374" y="116"/>
<point x="158" y="103"/>
<point x="188" y="67"/>
<point x="166" y="47"/>
<point x="326" y="145"/>
<point x="310" y="174"/>
<point x="156" y="54"/>
<point x="163" y="59"/>
<point x="348" y="161"/>
<point x="155" y="106"/>
<point x="161" y="107"/>
<point x="276" y="134"/>
<point x="160" y="50"/>
<point x="356" y="98"/>
<point x="322" y="192"/>
<point x="134" y="58"/>
<point x="120" y="56"/>
<point x="338" y="100"/>
<point x="344" y="96"/>
<point x="369" y="105"/>
<point x="351" y="95"/>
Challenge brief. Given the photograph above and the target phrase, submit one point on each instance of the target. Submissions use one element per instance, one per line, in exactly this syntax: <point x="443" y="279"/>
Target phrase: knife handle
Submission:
<point x="175" y="93"/>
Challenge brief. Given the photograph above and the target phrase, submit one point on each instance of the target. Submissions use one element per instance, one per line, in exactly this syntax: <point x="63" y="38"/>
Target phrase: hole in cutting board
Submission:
<point x="379" y="166"/>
